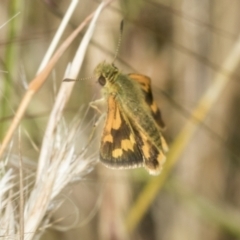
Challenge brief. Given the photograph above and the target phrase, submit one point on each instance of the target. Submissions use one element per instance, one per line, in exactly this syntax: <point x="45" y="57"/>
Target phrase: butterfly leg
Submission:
<point x="94" y="129"/>
<point x="97" y="104"/>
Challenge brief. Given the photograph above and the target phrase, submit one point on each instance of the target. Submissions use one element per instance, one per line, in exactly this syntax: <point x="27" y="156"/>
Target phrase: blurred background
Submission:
<point x="181" y="45"/>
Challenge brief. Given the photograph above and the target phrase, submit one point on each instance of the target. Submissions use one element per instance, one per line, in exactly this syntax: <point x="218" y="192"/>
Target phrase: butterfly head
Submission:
<point x="106" y="72"/>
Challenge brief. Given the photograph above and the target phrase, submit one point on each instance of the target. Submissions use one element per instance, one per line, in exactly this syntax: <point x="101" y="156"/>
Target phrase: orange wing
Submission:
<point x="145" y="83"/>
<point x="119" y="148"/>
<point x="153" y="157"/>
<point x="124" y="146"/>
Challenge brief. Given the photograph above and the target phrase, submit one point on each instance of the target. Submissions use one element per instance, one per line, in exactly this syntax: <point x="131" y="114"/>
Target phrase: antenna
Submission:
<point x="76" y="80"/>
<point x="115" y="56"/>
<point x="119" y="40"/>
<point x="70" y="80"/>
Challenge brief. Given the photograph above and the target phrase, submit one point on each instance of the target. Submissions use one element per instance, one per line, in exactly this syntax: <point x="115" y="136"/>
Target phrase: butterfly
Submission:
<point x="132" y="133"/>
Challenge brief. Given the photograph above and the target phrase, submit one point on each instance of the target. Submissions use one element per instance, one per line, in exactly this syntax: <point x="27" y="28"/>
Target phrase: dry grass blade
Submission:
<point x="21" y="190"/>
<point x="58" y="162"/>
<point x="7" y="219"/>
<point x="58" y="34"/>
<point x="62" y="98"/>
<point x="150" y="191"/>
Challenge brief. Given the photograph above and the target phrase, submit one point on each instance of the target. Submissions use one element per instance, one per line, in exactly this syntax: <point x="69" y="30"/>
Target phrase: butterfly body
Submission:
<point x="131" y="136"/>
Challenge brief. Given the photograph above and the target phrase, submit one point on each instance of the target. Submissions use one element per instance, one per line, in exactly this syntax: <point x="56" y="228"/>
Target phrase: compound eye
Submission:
<point x="102" y="80"/>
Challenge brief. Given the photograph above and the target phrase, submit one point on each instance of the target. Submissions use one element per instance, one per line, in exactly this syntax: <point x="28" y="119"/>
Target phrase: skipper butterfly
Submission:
<point x="132" y="133"/>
